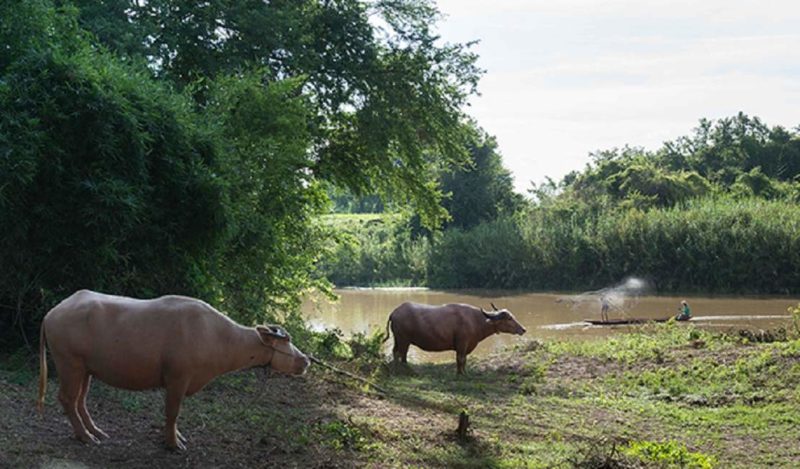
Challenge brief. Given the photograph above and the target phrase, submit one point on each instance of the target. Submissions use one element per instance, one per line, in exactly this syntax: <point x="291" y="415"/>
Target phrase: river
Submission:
<point x="362" y="310"/>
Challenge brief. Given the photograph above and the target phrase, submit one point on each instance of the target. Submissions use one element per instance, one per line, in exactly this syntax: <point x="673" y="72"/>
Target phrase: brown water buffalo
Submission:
<point x="456" y="327"/>
<point x="172" y="342"/>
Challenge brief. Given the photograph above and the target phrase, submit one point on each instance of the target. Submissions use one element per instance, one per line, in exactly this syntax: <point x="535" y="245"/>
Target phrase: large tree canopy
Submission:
<point x="386" y="94"/>
<point x="182" y="147"/>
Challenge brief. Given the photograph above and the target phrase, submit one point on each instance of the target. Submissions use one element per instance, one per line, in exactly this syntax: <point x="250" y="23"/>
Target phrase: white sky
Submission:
<point x="567" y="77"/>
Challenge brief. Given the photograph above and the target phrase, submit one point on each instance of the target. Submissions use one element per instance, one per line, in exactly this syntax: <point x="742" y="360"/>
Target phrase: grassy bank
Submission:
<point x="664" y="396"/>
<point x="720" y="245"/>
<point x="712" y="245"/>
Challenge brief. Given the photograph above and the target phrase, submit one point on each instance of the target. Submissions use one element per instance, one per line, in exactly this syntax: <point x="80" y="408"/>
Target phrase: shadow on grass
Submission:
<point x="437" y="386"/>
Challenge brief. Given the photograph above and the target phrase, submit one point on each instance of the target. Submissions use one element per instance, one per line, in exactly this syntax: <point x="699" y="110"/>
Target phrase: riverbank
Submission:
<point x="664" y="394"/>
<point x="552" y="316"/>
<point x="707" y="245"/>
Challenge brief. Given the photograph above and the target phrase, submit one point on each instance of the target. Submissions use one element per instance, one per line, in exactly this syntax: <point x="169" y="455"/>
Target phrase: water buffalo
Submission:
<point x="172" y="342"/>
<point x="456" y="327"/>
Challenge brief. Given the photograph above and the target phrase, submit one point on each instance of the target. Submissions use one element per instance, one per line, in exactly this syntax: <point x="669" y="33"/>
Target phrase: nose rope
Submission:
<point x="332" y="368"/>
<point x="348" y="374"/>
<point x="278" y="351"/>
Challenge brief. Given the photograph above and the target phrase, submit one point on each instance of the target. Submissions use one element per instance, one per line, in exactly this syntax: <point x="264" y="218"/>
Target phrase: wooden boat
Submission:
<point x="622" y="322"/>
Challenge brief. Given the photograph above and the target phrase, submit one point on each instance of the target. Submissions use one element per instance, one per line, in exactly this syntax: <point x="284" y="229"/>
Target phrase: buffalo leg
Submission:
<point x="462" y="350"/>
<point x="70" y="381"/>
<point x="174" y="397"/>
<point x="84" y="412"/>
<point x="400" y="351"/>
<point x="461" y="362"/>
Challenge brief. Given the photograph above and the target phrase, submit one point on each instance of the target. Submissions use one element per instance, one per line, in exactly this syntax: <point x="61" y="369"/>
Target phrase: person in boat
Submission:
<point x="604" y="307"/>
<point x="685" y="313"/>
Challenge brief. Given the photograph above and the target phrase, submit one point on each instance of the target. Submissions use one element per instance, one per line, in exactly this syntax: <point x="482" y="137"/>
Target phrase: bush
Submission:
<point x="709" y="245"/>
<point x="668" y="455"/>
<point x="374" y="250"/>
<point x="106" y="181"/>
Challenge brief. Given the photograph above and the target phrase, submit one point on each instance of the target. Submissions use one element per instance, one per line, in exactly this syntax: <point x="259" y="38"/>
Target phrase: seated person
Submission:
<point x="685" y="313"/>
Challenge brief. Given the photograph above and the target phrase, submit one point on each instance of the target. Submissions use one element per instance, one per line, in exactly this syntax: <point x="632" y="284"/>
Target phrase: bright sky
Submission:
<point x="568" y="77"/>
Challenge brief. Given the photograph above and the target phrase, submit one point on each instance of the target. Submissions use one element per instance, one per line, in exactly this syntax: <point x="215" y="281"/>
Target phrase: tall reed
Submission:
<point x="709" y="245"/>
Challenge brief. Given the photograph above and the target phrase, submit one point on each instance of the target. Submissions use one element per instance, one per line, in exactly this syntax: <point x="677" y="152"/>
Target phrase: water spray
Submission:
<point x="619" y="298"/>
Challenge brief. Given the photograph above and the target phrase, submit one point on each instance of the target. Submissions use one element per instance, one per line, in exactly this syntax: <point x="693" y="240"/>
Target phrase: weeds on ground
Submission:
<point x="649" y="342"/>
<point x="669" y="454"/>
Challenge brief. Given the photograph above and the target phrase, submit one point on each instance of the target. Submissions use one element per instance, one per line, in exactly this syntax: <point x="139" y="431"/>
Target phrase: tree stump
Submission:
<point x="463" y="425"/>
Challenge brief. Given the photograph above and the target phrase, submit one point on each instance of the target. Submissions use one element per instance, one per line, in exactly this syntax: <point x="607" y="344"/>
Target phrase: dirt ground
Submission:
<point x="247" y="419"/>
<point x="529" y="407"/>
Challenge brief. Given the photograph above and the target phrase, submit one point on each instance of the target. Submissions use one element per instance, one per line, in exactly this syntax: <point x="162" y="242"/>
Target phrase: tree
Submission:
<point x="175" y="147"/>
<point x="483" y="189"/>
<point x="271" y="244"/>
<point x="386" y="99"/>
<point x="721" y="150"/>
<point x="106" y="178"/>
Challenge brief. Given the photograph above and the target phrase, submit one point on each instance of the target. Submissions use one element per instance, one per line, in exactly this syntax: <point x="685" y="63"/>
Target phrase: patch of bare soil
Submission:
<point x="247" y="419"/>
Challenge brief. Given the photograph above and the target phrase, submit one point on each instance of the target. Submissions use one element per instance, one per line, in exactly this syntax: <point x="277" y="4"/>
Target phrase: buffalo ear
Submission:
<point x="489" y="317"/>
<point x="264" y="335"/>
<point x="269" y="333"/>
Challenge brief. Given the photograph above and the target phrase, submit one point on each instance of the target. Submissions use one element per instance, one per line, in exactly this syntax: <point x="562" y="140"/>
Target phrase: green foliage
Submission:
<point x="385" y="102"/>
<point x="795" y="312"/>
<point x="272" y="239"/>
<point x="488" y="256"/>
<point x="111" y="179"/>
<point x="341" y="435"/>
<point x="756" y="377"/>
<point x="368" y="346"/>
<point x="713" y="244"/>
<point x="345" y="202"/>
<point x="668" y="454"/>
<point x="649" y="344"/>
<point x="18" y="367"/>
<point x="483" y="190"/>
<point x="374" y="250"/>
<point x="106" y="177"/>
<point x="677" y="216"/>
<point x="738" y="155"/>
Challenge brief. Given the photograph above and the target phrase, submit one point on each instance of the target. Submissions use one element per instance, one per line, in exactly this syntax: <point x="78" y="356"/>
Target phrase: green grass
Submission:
<point x="663" y="396"/>
<point x="653" y="398"/>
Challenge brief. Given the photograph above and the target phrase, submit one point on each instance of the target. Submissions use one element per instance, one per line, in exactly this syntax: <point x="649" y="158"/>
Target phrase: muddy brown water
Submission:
<point x="362" y="310"/>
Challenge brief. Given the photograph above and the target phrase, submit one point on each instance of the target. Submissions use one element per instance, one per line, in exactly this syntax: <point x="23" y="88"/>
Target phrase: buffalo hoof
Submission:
<point x="99" y="433"/>
<point x="88" y="438"/>
<point x="178" y="446"/>
<point x="402" y="368"/>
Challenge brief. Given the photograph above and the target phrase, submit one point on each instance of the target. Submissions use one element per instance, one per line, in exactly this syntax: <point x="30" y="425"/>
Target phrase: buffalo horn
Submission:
<point x="277" y="332"/>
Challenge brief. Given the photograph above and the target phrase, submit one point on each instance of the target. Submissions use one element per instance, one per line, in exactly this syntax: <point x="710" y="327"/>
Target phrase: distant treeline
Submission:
<point x="708" y="245"/>
<point x="716" y="211"/>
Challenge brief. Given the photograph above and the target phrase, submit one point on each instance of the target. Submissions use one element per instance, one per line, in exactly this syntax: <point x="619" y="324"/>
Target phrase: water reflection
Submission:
<point x="363" y="310"/>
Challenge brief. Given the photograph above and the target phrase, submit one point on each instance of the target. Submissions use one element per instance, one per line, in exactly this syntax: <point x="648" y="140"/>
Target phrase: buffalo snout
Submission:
<point x="300" y="363"/>
<point x="305" y="362"/>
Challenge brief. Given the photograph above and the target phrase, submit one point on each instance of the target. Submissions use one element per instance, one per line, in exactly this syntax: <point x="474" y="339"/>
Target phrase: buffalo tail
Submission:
<point x="388" y="322"/>
<point x="42" y="371"/>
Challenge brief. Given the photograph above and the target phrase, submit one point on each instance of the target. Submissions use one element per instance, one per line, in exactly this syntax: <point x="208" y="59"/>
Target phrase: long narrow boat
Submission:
<point x="620" y="322"/>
